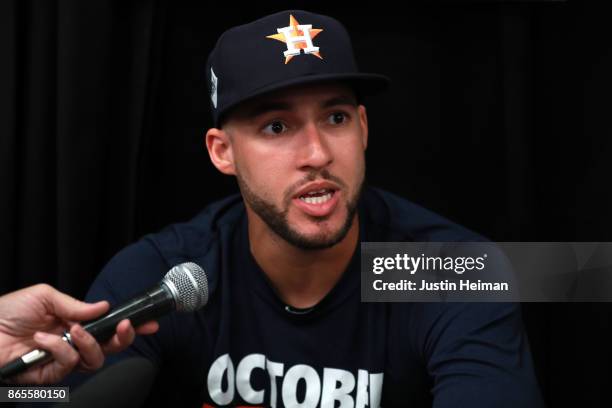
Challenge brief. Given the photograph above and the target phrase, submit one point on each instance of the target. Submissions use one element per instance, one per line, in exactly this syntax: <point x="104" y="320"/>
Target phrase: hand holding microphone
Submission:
<point x="29" y="316"/>
<point x="40" y="310"/>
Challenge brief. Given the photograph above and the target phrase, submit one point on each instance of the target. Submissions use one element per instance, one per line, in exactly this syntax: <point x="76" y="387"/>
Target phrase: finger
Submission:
<point x="123" y="337"/>
<point x="148" y="328"/>
<point x="126" y="334"/>
<point x="91" y="353"/>
<point x="69" y="308"/>
<point x="65" y="358"/>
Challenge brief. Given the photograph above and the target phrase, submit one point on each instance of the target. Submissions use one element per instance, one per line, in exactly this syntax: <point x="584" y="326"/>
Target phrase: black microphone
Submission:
<point x="184" y="288"/>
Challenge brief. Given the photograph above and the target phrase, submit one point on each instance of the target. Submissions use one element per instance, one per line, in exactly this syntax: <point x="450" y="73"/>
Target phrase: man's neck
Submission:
<point x="301" y="277"/>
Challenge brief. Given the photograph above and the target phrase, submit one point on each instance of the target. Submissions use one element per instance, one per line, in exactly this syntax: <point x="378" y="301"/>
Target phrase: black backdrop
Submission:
<point x="498" y="119"/>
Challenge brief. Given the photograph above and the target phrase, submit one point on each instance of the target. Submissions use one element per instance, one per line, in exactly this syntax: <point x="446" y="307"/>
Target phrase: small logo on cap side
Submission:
<point x="213" y="87"/>
<point x="297" y="37"/>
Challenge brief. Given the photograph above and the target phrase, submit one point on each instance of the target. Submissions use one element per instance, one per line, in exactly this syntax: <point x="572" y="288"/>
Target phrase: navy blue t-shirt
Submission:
<point x="245" y="347"/>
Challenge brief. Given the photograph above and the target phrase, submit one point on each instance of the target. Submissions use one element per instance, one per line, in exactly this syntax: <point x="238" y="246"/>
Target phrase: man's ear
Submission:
<point x="363" y="123"/>
<point x="220" y="150"/>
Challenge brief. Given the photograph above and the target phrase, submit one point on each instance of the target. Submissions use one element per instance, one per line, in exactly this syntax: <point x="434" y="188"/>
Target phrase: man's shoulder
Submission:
<point x="146" y="261"/>
<point x="390" y="217"/>
<point x="195" y="236"/>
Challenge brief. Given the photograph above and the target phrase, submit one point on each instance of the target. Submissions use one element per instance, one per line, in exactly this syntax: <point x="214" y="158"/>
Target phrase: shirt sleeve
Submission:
<point x="133" y="270"/>
<point x="477" y="355"/>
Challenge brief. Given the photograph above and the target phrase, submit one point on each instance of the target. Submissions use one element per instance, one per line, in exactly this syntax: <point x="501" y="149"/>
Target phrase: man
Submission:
<point x="285" y="326"/>
<point x="35" y="317"/>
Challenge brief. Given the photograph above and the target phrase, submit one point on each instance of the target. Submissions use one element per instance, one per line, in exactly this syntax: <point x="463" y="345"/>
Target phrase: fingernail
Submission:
<point x="40" y="336"/>
<point x="78" y="330"/>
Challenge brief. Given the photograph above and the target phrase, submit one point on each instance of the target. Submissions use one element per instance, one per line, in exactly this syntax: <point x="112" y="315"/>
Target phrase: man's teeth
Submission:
<point x="317" y="200"/>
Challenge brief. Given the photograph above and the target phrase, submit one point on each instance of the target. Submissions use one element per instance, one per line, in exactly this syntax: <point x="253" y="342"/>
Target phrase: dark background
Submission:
<point x="499" y="119"/>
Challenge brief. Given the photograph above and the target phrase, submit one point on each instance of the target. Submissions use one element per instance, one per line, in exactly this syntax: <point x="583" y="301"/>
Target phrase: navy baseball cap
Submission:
<point x="281" y="50"/>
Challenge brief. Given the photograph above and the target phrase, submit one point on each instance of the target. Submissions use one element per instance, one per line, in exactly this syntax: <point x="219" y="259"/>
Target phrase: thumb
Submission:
<point x="69" y="308"/>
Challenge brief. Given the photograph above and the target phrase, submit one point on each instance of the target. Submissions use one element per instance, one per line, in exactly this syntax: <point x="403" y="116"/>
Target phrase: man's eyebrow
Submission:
<point x="273" y="106"/>
<point x="265" y="107"/>
<point x="339" y="100"/>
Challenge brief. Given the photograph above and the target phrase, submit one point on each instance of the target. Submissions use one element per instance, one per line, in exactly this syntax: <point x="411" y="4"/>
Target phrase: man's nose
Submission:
<point x="314" y="152"/>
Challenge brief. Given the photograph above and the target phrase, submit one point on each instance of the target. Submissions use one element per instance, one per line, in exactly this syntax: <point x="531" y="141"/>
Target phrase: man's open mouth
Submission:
<point x="317" y="197"/>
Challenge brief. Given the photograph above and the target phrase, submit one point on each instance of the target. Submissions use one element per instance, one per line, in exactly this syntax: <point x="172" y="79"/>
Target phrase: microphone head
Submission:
<point x="189" y="286"/>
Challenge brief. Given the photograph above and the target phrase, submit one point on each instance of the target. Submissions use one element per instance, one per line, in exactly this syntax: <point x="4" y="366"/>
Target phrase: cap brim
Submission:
<point x="365" y="84"/>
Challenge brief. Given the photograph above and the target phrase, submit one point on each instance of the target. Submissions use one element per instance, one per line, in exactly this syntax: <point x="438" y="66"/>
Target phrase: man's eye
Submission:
<point x="275" y="127"/>
<point x="337" y="118"/>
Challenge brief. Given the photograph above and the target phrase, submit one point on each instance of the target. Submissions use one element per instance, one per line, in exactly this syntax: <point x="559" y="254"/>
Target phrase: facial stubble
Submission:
<point x="277" y="219"/>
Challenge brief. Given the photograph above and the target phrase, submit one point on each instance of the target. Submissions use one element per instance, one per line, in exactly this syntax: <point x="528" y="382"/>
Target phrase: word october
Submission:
<point x="411" y="264"/>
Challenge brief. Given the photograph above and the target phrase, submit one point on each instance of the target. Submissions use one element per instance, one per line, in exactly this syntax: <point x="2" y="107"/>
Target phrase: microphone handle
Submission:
<point x="150" y="305"/>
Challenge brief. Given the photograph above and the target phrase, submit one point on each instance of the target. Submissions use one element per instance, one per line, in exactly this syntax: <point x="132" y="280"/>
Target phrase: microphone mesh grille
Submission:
<point x="191" y="283"/>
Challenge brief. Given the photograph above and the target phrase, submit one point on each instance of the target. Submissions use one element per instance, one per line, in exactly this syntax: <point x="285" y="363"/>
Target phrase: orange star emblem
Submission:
<point x="298" y="38"/>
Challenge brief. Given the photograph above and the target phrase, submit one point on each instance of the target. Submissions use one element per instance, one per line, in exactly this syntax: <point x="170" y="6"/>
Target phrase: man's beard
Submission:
<point x="276" y="219"/>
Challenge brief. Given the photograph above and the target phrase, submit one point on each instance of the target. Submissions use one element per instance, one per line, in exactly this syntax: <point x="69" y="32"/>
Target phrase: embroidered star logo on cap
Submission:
<point x="297" y="37"/>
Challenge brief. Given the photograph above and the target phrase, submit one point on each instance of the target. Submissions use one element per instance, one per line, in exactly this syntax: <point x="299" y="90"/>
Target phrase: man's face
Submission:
<point x="298" y="155"/>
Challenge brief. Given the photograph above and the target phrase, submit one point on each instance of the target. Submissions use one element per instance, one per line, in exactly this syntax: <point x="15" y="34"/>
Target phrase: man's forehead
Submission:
<point x="324" y="94"/>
